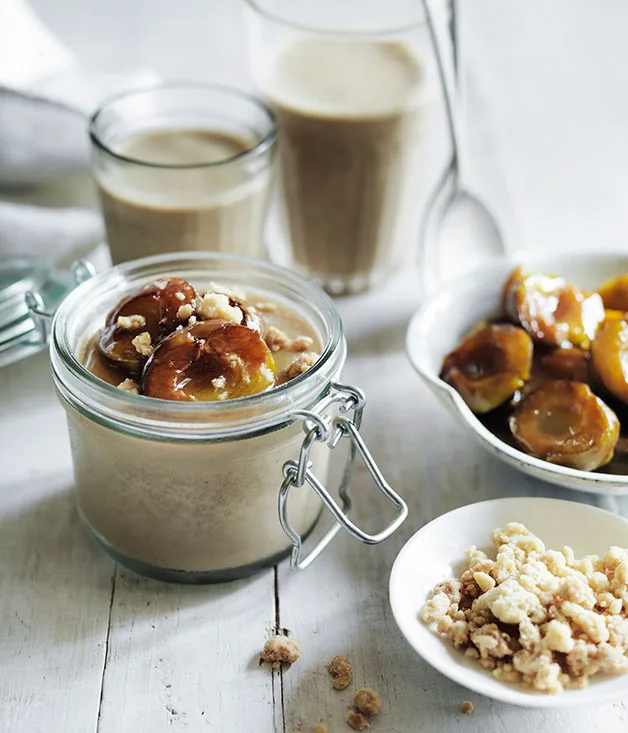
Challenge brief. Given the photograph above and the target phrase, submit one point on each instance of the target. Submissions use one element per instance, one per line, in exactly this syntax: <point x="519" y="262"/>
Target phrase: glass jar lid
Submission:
<point x="19" y="275"/>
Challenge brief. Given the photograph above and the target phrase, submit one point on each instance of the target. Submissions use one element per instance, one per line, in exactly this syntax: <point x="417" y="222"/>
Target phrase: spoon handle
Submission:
<point x="447" y="74"/>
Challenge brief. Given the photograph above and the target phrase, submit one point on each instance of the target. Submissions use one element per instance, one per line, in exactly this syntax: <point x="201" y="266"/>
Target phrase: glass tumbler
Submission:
<point x="353" y="90"/>
<point x="183" y="167"/>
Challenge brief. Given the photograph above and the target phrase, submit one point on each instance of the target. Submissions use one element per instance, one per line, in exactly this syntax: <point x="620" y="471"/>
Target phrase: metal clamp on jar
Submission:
<point x="187" y="491"/>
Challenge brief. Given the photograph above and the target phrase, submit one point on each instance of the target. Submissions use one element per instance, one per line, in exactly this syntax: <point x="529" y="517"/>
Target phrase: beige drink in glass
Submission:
<point x="351" y="104"/>
<point x="183" y="168"/>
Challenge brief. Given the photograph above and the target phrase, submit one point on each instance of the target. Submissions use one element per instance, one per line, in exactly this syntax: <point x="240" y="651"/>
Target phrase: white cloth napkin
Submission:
<point x="47" y="206"/>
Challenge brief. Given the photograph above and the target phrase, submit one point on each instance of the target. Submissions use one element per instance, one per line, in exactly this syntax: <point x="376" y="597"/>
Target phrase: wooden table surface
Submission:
<point x="87" y="646"/>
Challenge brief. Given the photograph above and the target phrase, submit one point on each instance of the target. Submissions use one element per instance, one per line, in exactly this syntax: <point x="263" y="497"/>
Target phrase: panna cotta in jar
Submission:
<point x="201" y="390"/>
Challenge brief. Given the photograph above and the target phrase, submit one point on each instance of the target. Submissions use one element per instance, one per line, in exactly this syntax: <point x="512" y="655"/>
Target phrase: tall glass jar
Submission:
<point x="190" y="491"/>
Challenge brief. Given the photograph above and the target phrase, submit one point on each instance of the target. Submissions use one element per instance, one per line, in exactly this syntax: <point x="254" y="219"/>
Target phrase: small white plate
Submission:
<point x="436" y="552"/>
<point x="441" y="323"/>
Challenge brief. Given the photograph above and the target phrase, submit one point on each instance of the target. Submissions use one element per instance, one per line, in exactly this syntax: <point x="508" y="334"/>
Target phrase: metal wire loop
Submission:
<point x="297" y="474"/>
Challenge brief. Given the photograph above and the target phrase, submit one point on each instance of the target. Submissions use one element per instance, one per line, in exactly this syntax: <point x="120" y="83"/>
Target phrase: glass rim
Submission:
<point x="266" y="142"/>
<point x="333" y="349"/>
<point x="256" y="6"/>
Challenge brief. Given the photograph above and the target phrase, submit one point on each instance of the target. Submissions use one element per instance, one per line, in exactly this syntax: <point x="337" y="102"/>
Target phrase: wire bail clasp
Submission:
<point x="319" y="427"/>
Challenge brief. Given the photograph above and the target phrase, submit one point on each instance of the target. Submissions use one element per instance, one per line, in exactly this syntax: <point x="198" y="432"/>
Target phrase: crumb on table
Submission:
<point x="357" y="721"/>
<point x="319" y="728"/>
<point x="367" y="701"/>
<point x="341" y="670"/>
<point x="280" y="649"/>
<point x="467" y="707"/>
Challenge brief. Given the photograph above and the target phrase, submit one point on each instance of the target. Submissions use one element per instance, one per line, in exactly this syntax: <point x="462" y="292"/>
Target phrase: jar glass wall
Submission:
<point x="189" y="491"/>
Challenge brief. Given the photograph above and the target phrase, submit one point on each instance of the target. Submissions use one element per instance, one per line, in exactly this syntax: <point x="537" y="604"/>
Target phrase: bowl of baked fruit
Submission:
<point x="531" y="355"/>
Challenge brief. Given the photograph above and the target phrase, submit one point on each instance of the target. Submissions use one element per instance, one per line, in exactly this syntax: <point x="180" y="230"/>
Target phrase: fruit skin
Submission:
<point x="185" y="364"/>
<point x="159" y="304"/>
<point x="489" y="366"/>
<point x="563" y="422"/>
<point x="614" y="293"/>
<point x="609" y="354"/>
<point x="552" y="310"/>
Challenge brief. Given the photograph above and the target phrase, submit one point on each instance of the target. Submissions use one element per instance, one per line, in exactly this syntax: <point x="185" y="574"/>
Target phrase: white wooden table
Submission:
<point x="88" y="646"/>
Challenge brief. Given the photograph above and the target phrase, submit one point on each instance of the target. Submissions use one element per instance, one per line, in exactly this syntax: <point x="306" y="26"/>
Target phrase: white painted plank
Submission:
<point x="184" y="658"/>
<point x="54" y="585"/>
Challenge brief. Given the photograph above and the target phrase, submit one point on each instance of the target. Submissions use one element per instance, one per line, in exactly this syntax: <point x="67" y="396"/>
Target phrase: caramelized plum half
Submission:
<point x="156" y="308"/>
<point x="614" y="293"/>
<point x="563" y="422"/>
<point x="552" y="310"/>
<point x="570" y="364"/>
<point x="489" y="365"/>
<point x="209" y="361"/>
<point x="609" y="353"/>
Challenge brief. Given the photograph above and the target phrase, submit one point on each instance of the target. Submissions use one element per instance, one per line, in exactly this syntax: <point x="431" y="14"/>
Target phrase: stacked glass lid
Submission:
<point x="20" y="333"/>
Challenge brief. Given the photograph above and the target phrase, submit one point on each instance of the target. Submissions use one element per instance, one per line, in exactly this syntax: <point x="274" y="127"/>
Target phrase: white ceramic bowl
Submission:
<point x="436" y="552"/>
<point x="443" y="320"/>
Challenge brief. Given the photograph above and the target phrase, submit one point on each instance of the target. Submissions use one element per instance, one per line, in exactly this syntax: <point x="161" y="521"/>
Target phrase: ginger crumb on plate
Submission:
<point x="538" y="617"/>
<point x="280" y="649"/>
<point x="357" y="721"/>
<point x="467" y="707"/>
<point x="367" y="701"/>
<point x="319" y="728"/>
<point x="341" y="671"/>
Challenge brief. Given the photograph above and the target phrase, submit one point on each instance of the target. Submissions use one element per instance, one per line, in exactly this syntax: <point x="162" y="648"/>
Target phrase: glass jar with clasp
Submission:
<point x="202" y="492"/>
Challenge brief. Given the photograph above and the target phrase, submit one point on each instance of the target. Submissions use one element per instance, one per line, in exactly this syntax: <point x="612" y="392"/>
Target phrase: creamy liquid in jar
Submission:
<point x="152" y="210"/>
<point x="199" y="507"/>
<point x="350" y="125"/>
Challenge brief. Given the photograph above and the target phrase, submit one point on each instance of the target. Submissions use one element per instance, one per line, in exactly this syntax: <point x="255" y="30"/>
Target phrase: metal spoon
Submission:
<point x="454" y="214"/>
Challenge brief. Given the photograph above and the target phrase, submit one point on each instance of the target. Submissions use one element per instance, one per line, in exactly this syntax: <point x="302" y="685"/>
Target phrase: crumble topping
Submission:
<point x="216" y="305"/>
<point x="301" y="343"/>
<point x="266" y="307"/>
<point x="143" y="343"/>
<point x="341" y="670"/>
<point x="357" y="721"/>
<point x="179" y="295"/>
<point x="367" y="701"/>
<point x="130" y="386"/>
<point x="541" y="618"/>
<point x="130" y="323"/>
<point x="185" y="311"/>
<point x="219" y="382"/>
<point x="276" y="339"/>
<point x="233" y="292"/>
<point x="299" y="365"/>
<point x="280" y="649"/>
